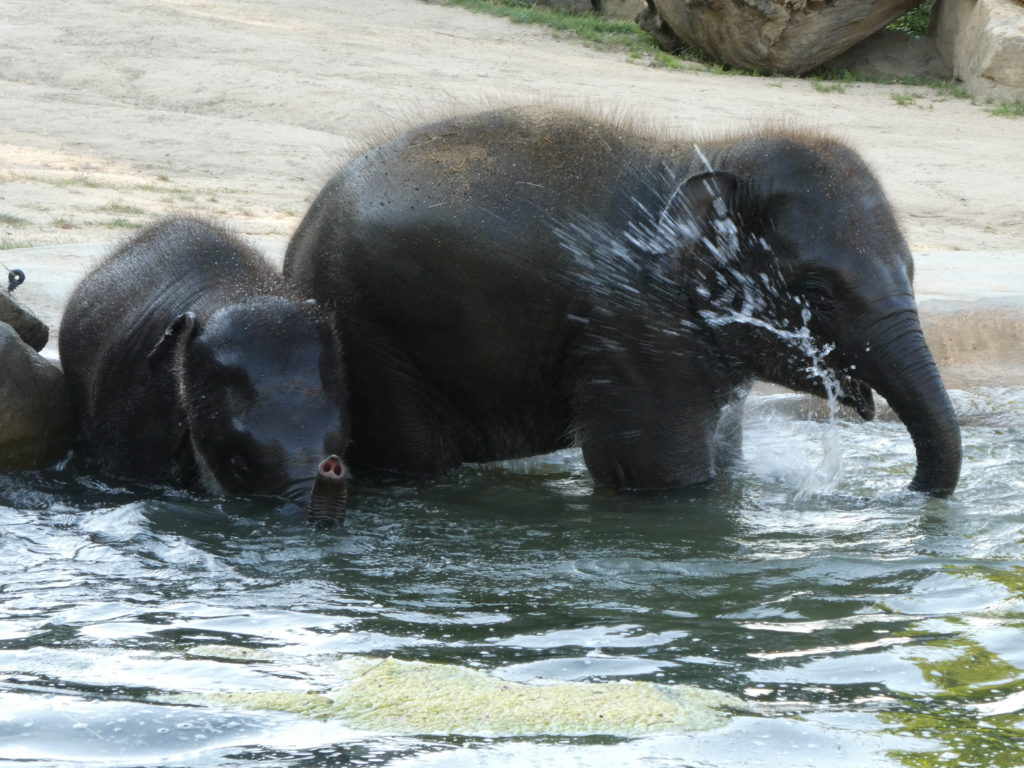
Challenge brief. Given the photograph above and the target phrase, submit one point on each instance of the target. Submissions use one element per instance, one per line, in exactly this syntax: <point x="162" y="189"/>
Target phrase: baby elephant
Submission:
<point x="192" y="364"/>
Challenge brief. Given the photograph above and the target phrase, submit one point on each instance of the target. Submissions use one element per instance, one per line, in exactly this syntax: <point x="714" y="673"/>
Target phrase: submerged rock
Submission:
<point x="36" y="424"/>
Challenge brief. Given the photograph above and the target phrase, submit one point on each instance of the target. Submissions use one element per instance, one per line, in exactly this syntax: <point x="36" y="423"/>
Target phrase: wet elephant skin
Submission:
<point x="192" y="364"/>
<point x="512" y="282"/>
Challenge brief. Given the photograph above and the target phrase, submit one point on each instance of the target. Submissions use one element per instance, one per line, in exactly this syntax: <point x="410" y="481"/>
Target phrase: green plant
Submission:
<point x="950" y="88"/>
<point x="12" y="221"/>
<point x="904" y="99"/>
<point x="1008" y="109"/>
<point x="915" y="21"/>
<point x="8" y="244"/>
<point x="829" y="86"/>
<point x="115" y="206"/>
<point x="121" y="224"/>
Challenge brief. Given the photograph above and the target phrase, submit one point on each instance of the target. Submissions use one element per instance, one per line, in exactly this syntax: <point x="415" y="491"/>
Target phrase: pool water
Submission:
<point x="864" y="625"/>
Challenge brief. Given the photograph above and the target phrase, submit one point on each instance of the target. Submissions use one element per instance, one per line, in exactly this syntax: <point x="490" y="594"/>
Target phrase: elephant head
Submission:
<point x="261" y="389"/>
<point x="811" y="284"/>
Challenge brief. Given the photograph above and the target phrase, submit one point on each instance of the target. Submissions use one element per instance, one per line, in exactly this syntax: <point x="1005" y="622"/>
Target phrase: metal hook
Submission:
<point x="15" y="277"/>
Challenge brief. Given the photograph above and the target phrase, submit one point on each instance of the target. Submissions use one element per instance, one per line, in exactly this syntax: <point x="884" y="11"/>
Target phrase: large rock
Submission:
<point x="621" y="9"/>
<point x="982" y="41"/>
<point x="889" y="53"/>
<point x="36" y="424"/>
<point x="788" y="37"/>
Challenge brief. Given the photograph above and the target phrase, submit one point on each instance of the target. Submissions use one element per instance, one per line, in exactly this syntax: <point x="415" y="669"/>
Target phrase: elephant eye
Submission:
<point x="817" y="290"/>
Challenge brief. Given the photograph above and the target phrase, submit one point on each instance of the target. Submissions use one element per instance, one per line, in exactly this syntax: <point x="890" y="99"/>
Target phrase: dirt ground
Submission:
<point x="116" y="112"/>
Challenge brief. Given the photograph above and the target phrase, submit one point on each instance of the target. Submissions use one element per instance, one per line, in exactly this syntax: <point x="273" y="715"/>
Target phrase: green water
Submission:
<point x="864" y="625"/>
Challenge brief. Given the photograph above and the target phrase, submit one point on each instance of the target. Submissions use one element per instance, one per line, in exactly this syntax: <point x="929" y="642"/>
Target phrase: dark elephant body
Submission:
<point x="192" y="364"/>
<point x="513" y="282"/>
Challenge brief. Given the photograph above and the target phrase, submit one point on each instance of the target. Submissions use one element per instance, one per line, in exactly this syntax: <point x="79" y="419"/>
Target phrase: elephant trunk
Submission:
<point x="899" y="366"/>
<point x="329" y="498"/>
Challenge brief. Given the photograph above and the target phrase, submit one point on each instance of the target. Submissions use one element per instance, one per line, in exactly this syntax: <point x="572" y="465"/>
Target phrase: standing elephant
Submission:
<point x="191" y="363"/>
<point x="517" y="281"/>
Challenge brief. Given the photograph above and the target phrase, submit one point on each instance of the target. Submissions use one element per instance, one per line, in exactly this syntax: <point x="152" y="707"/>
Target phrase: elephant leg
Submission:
<point x="639" y="438"/>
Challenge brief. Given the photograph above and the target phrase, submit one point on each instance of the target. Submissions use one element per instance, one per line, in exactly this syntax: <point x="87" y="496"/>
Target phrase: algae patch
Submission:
<point x="412" y="697"/>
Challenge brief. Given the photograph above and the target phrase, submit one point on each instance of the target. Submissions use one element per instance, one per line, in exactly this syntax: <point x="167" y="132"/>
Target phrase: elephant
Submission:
<point x="519" y="280"/>
<point x="192" y="363"/>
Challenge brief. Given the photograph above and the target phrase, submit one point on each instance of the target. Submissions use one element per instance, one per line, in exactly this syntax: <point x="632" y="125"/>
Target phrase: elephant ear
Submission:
<point x="182" y="327"/>
<point x="704" y="198"/>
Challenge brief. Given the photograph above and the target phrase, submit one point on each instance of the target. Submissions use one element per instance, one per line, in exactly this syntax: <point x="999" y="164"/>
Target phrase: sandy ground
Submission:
<point x="113" y="113"/>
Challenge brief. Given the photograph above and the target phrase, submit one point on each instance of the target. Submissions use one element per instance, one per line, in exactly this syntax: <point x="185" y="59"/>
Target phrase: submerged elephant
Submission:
<point x="517" y="281"/>
<point x="191" y="363"/>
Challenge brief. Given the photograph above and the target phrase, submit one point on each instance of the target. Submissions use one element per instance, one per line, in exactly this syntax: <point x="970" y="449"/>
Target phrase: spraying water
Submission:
<point x="637" y="267"/>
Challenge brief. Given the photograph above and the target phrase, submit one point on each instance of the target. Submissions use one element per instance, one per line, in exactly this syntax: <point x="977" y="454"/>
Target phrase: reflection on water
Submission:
<point x="866" y="624"/>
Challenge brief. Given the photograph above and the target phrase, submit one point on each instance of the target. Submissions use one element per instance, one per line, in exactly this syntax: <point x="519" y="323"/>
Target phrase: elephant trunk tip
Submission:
<point x="331" y="467"/>
<point x="940" y="487"/>
<point x="329" y="499"/>
<point x="939" y="461"/>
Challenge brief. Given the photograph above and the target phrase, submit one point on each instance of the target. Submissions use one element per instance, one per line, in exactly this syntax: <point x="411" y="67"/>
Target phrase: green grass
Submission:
<point x="1008" y="109"/>
<point x="8" y="220"/>
<point x="121" y="224"/>
<point x="829" y="86"/>
<point x="944" y="89"/>
<point x="591" y="28"/>
<point x="9" y="244"/>
<point x="904" y="99"/>
<point x="115" y="206"/>
<point x="81" y="180"/>
<point x="951" y="89"/>
<point x="64" y="222"/>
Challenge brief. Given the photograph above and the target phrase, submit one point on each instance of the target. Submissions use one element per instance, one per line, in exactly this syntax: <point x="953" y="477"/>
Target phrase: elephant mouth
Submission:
<point x="856" y="394"/>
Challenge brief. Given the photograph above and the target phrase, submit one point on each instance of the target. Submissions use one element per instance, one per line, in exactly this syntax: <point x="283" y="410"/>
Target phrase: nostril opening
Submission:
<point x="332" y="466"/>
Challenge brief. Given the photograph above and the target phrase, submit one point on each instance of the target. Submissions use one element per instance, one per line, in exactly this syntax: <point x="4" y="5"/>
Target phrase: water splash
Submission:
<point x="639" y="267"/>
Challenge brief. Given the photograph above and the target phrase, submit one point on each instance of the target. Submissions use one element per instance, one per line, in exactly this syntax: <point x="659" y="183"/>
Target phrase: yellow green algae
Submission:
<point x="413" y="697"/>
<point x="975" y="716"/>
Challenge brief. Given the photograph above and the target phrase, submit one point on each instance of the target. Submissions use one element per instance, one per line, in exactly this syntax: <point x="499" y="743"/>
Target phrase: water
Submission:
<point x="865" y="625"/>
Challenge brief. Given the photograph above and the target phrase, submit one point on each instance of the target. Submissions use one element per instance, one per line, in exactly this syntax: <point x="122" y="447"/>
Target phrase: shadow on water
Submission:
<point x="867" y="623"/>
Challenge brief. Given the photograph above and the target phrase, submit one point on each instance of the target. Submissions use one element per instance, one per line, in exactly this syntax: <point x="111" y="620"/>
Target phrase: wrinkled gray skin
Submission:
<point x="514" y="282"/>
<point x="191" y="364"/>
<point x="330" y="492"/>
